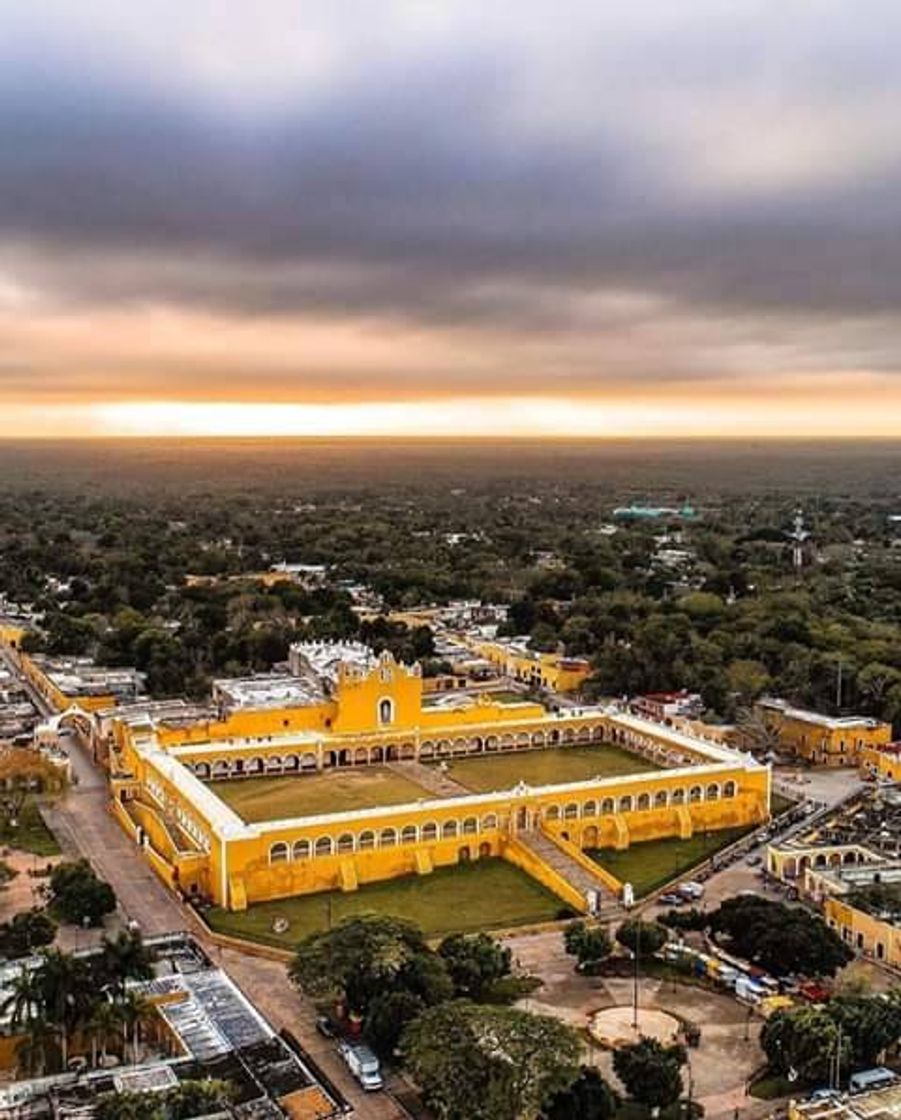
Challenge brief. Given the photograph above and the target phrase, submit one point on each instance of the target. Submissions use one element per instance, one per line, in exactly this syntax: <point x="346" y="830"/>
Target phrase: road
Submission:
<point x="84" y="826"/>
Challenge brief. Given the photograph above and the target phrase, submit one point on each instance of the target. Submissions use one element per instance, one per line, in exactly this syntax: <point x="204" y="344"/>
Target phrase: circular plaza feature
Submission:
<point x="614" y="1026"/>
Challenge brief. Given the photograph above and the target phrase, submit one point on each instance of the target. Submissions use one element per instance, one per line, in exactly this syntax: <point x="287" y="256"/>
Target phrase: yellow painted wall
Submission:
<point x="12" y="636"/>
<point x="821" y="744"/>
<point x="864" y="932"/>
<point x="543" y="668"/>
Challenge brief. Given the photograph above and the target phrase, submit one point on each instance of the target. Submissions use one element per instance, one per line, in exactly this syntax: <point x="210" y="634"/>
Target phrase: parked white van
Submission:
<point x="363" y="1064"/>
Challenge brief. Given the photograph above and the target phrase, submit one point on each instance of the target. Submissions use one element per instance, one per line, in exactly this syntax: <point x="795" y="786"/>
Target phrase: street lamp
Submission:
<point x="635" y="954"/>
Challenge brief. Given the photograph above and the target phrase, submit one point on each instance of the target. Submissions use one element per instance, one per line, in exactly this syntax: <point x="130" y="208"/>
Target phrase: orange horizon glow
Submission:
<point x="872" y="412"/>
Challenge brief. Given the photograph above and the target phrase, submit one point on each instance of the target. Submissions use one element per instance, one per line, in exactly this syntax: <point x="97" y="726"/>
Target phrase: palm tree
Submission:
<point x="25" y="1001"/>
<point x="105" y="1021"/>
<point x="125" y="958"/>
<point x="36" y="1047"/>
<point x="67" y="993"/>
<point x="136" y="1010"/>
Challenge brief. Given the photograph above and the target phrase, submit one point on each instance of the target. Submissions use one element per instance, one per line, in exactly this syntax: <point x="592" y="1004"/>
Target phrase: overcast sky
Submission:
<point x="355" y="216"/>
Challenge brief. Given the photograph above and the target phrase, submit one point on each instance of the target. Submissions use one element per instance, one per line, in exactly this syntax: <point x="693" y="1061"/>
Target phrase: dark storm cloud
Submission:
<point x="481" y="178"/>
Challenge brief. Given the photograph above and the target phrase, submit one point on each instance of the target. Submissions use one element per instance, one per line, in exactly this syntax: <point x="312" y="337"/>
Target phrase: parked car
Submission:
<point x="671" y="899"/>
<point x="363" y="1064"/>
<point x="691" y="889"/>
<point x="326" y="1027"/>
<point x="754" y="859"/>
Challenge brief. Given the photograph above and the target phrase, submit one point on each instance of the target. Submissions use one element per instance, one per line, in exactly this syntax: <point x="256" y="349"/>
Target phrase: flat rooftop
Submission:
<point x="803" y="715"/>
<point x="271" y="691"/>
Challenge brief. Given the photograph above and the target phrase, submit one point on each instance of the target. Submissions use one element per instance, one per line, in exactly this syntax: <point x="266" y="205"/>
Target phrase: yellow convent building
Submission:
<point x="347" y="773"/>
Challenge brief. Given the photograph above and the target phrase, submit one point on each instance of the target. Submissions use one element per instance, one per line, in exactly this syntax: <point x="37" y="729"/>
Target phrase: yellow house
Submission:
<point x="366" y="719"/>
<point x="822" y="740"/>
<point x="553" y="671"/>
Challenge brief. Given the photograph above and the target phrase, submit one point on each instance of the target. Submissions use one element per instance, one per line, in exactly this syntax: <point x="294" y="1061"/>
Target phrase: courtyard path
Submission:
<point x="430" y="778"/>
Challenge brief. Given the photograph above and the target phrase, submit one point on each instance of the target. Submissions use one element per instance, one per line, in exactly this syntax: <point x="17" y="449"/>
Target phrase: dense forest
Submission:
<point x="102" y="547"/>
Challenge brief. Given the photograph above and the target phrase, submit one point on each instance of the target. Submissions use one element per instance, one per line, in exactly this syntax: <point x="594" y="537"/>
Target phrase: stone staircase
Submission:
<point x="574" y="873"/>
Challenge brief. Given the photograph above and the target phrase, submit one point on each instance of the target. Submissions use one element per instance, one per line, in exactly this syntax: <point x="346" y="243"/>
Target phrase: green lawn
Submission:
<point x="484" y="894"/>
<point x="306" y="795"/>
<point x="650" y="864"/>
<point x="779" y="803"/>
<point x="31" y="834"/>
<point x="545" y="767"/>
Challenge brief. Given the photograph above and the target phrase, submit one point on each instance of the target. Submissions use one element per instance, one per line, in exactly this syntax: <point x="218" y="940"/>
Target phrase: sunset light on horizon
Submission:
<point x="446" y="221"/>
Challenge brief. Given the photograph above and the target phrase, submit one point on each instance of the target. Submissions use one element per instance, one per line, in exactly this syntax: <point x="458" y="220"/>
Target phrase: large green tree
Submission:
<point x="801" y="1042"/>
<point x="474" y="962"/>
<point x="780" y="938"/>
<point x="589" y="944"/>
<point x="650" y="1071"/>
<point x="589" y="1097"/>
<point x="645" y="938"/>
<point x="477" y="1062"/>
<point x="366" y="957"/>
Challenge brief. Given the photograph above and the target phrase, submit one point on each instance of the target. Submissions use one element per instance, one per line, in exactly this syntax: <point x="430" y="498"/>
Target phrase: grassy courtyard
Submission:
<point x="485" y="894"/>
<point x="652" y="863"/>
<point x="30" y="834"/>
<point x="267" y="799"/>
<point x="545" y="767"/>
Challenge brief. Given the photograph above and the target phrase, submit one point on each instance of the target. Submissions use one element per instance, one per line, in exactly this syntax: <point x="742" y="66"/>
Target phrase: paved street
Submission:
<point x="84" y="825"/>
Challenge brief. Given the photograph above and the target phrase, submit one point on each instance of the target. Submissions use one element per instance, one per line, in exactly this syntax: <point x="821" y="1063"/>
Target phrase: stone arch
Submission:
<point x="571" y="812"/>
<point x="608" y="805"/>
<point x="426" y="749"/>
<point x="491" y="743"/>
<point x="597" y="733"/>
<point x="677" y="797"/>
<point x="345" y="843"/>
<point x="301" y="849"/>
<point x="590" y="809"/>
<point x="202" y="770"/>
<point x="408" y="834"/>
<point x="361" y="756"/>
<point x="489" y="822"/>
<point x="695" y="794"/>
<point x="429" y="831"/>
<point x="279" y="852"/>
<point x="538" y="739"/>
<point x="308" y="761"/>
<point x="449" y="830"/>
<point x="552" y="813"/>
<point x="324" y="846"/>
<point x="644" y="802"/>
<point x="475" y="744"/>
<point x="625" y="804"/>
<point x="366" y="841"/>
<point x="376" y="754"/>
<point x="221" y="768"/>
<point x="729" y="789"/>
<point x="273" y="763"/>
<point x="583" y="735"/>
<point x="470" y="826"/>
<point x="292" y="763"/>
<point x="484" y="849"/>
<point x="388" y="838"/>
<point x="385" y="710"/>
<point x="660" y="799"/>
<point x="464" y="855"/>
<point x="590" y="836"/>
<point x="713" y="792"/>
